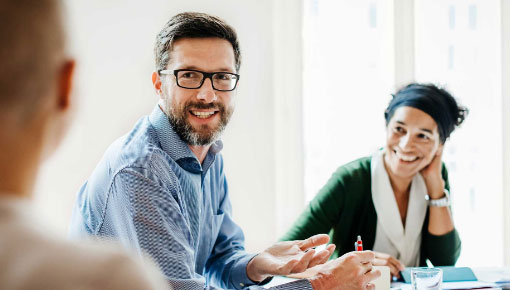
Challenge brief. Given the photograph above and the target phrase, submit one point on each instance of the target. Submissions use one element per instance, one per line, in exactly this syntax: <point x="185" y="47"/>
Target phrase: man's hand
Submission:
<point x="382" y="259"/>
<point x="352" y="271"/>
<point x="285" y="258"/>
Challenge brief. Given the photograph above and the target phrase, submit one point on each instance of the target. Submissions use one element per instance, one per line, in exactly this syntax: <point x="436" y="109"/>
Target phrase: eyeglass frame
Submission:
<point x="207" y="75"/>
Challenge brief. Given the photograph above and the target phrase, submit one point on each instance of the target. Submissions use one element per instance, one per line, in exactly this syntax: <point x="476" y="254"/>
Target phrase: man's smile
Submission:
<point x="203" y="114"/>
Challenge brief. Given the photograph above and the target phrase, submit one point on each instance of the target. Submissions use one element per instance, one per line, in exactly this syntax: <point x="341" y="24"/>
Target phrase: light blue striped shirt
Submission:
<point x="151" y="193"/>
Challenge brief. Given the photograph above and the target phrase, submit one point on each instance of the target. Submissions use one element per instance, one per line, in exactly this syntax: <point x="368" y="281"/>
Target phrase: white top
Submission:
<point x="391" y="237"/>
<point x="31" y="258"/>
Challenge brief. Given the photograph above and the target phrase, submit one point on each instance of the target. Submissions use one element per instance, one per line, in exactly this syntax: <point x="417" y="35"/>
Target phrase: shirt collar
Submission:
<point x="176" y="148"/>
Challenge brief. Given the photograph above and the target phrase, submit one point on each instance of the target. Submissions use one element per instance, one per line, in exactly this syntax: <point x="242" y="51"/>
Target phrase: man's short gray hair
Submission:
<point x="193" y="25"/>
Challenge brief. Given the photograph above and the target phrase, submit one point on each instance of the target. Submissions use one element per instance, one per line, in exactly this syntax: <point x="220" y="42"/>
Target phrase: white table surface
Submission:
<point x="488" y="274"/>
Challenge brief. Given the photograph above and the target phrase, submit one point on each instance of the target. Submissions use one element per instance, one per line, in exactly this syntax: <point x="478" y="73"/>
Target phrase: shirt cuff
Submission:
<point x="239" y="276"/>
<point x="302" y="284"/>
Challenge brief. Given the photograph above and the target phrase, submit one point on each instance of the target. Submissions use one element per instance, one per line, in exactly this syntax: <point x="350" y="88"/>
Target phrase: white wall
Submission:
<point x="505" y="75"/>
<point x="113" y="42"/>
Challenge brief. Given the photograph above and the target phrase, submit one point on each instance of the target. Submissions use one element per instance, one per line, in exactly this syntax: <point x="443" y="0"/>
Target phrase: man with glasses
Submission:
<point x="162" y="189"/>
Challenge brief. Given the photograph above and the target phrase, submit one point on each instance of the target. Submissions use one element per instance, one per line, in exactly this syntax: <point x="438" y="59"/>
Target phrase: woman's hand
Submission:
<point x="382" y="259"/>
<point x="432" y="175"/>
<point x="440" y="218"/>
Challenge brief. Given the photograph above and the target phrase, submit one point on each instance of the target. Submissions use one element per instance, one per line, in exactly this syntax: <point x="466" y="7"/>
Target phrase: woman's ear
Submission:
<point x="440" y="148"/>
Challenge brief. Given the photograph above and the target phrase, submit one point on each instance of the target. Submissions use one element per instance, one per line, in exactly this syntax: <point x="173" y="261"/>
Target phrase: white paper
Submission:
<point x="451" y="285"/>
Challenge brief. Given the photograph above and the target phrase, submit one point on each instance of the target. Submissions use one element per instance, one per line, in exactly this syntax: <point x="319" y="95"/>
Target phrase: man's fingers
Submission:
<point x="370" y="286"/>
<point x="372" y="275"/>
<point x="287" y="268"/>
<point x="382" y="255"/>
<point x="390" y="264"/>
<point x="303" y="263"/>
<point x="367" y="267"/>
<point x="320" y="258"/>
<point x="313" y="241"/>
<point x="365" y="256"/>
<point x="382" y="259"/>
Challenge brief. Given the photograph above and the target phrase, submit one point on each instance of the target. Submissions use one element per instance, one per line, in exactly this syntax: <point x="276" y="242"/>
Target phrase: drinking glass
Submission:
<point x="427" y="278"/>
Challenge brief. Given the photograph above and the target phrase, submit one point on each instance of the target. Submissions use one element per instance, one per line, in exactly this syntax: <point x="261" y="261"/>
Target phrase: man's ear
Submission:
<point x="65" y="85"/>
<point x="156" y="82"/>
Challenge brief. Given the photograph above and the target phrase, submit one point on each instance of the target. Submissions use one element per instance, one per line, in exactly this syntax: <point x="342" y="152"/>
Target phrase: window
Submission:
<point x="351" y="68"/>
<point x="347" y="83"/>
<point x="458" y="45"/>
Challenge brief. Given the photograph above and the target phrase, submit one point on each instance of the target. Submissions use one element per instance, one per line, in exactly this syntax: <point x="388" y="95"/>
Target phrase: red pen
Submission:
<point x="359" y="244"/>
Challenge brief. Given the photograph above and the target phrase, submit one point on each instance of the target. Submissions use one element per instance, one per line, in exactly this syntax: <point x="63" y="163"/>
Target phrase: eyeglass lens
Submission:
<point x="194" y="79"/>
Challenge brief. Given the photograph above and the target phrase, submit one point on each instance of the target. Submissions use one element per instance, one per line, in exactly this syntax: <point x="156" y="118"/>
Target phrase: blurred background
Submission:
<point x="316" y="78"/>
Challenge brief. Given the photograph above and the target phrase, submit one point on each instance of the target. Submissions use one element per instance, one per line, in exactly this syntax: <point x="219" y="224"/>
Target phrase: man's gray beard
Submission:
<point x="181" y="126"/>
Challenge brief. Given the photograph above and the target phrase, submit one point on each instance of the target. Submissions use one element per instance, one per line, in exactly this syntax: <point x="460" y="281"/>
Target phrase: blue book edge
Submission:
<point x="450" y="274"/>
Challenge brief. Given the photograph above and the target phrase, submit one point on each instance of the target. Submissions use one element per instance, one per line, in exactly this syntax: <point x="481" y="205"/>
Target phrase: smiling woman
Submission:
<point x="412" y="141"/>
<point x="397" y="199"/>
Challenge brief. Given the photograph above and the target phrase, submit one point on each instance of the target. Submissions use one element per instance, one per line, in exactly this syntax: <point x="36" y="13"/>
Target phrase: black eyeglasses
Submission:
<point x="194" y="79"/>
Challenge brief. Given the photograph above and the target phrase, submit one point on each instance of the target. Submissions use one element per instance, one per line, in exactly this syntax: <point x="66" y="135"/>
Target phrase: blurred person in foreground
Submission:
<point x="398" y="198"/>
<point x="161" y="188"/>
<point x="35" y="99"/>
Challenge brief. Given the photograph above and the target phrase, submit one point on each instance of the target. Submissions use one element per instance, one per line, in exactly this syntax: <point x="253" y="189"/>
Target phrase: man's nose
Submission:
<point x="206" y="92"/>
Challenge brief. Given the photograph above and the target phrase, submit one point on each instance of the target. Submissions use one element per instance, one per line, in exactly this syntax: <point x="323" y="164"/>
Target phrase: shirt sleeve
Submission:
<point x="442" y="250"/>
<point x="226" y="266"/>
<point x="302" y="284"/>
<point x="145" y="217"/>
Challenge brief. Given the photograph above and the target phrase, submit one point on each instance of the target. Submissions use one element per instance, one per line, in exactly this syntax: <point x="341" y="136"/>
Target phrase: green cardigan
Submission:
<point x="344" y="209"/>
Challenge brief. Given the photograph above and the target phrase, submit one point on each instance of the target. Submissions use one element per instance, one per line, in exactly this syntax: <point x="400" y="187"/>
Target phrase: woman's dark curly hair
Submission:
<point x="436" y="102"/>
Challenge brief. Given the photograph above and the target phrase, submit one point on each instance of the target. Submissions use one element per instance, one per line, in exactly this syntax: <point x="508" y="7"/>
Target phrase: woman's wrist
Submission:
<point x="435" y="188"/>
<point x="436" y="194"/>
<point x="443" y="201"/>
